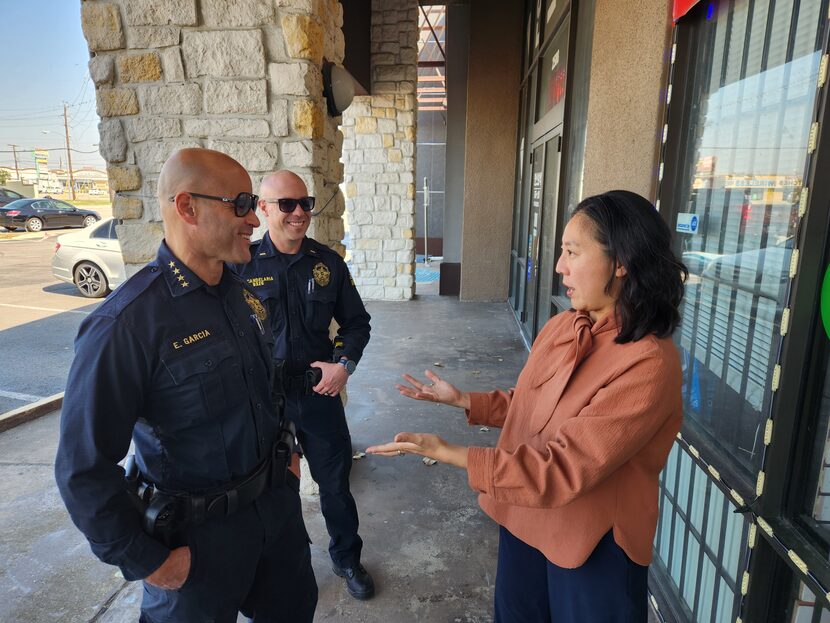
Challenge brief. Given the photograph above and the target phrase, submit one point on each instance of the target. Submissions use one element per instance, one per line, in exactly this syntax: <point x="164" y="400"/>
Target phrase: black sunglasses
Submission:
<point x="242" y="204"/>
<point x="288" y="204"/>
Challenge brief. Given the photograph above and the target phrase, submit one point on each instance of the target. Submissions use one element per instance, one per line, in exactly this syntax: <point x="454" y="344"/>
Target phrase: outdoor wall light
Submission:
<point x="338" y="88"/>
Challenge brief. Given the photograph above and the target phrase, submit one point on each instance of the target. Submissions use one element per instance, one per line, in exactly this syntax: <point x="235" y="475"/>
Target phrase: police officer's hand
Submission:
<point x="436" y="391"/>
<point x="173" y="572"/>
<point x="334" y="378"/>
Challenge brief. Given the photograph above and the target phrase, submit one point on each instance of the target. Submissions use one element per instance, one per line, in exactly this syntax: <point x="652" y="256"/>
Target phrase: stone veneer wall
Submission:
<point x="379" y="158"/>
<point x="239" y="76"/>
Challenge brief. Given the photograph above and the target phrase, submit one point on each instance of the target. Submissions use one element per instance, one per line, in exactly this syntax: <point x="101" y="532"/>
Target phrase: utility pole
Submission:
<point x="16" y="169"/>
<point x="68" y="154"/>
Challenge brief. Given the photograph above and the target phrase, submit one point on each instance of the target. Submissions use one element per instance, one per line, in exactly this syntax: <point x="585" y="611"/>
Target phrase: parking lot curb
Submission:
<point x="29" y="412"/>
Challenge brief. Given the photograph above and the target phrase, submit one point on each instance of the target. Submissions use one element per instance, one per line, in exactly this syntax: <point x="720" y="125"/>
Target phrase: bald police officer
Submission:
<point x="179" y="360"/>
<point x="305" y="284"/>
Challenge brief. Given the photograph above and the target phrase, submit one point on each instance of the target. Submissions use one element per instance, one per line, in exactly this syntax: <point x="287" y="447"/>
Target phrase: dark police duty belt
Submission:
<point x="164" y="514"/>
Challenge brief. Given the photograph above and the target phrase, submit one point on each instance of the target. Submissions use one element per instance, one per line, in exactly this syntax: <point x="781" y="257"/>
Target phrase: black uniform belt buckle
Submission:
<point x="226" y="502"/>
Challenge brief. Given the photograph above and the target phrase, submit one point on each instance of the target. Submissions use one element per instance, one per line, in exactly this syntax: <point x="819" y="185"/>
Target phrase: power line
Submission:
<point x="27" y="149"/>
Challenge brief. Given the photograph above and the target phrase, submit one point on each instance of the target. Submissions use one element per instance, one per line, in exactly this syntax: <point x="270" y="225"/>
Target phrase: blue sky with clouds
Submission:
<point x="43" y="63"/>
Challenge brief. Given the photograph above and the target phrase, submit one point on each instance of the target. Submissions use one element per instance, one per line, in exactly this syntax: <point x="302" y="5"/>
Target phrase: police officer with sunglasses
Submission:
<point x="178" y="361"/>
<point x="305" y="285"/>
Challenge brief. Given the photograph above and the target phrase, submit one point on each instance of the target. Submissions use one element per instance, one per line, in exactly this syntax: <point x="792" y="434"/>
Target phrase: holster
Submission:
<point x="166" y="514"/>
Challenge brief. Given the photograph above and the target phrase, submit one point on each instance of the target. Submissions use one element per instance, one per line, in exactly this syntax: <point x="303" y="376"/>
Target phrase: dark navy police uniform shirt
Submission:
<point x="303" y="293"/>
<point x="183" y="369"/>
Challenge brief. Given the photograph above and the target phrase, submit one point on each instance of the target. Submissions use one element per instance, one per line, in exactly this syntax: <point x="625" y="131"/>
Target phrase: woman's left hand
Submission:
<point x="424" y="444"/>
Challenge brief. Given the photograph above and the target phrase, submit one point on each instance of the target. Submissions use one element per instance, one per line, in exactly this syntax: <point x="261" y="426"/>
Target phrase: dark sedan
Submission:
<point x="38" y="214"/>
<point x="7" y="196"/>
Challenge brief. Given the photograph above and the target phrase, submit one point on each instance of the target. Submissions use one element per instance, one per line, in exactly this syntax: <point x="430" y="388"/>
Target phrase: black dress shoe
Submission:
<point x="358" y="581"/>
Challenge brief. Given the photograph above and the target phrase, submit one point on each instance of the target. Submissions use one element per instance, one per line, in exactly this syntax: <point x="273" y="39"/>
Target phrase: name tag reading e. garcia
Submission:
<point x="191" y="339"/>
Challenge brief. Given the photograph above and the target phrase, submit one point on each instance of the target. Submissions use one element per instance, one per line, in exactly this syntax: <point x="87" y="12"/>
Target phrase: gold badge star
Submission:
<point x="176" y="271"/>
<point x="180" y="277"/>
<point x="172" y="264"/>
<point x="185" y="284"/>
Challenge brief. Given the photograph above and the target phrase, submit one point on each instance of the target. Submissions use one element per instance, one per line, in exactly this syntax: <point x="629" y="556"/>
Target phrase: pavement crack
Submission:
<point x="106" y="605"/>
<point x="19" y="464"/>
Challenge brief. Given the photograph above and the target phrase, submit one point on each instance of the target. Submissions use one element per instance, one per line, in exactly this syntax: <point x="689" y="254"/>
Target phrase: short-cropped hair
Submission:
<point x="635" y="237"/>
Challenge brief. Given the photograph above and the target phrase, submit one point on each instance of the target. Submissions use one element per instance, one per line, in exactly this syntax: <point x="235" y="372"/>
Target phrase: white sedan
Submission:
<point x="91" y="259"/>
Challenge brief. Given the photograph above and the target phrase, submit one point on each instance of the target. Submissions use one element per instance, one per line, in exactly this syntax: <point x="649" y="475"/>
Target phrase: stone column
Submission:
<point x="239" y="76"/>
<point x="379" y="158"/>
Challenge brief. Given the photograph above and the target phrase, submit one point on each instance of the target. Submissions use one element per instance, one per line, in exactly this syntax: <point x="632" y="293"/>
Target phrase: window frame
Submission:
<point x="772" y="571"/>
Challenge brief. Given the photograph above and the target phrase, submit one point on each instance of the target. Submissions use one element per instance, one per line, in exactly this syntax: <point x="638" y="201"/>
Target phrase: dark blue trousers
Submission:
<point x="257" y="561"/>
<point x="324" y="436"/>
<point x="607" y="588"/>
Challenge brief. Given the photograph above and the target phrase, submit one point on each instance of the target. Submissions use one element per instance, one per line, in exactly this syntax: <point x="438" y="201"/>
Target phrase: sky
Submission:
<point x="43" y="63"/>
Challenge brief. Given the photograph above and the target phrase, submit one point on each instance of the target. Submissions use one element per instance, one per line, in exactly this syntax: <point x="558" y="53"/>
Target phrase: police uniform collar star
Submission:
<point x="180" y="279"/>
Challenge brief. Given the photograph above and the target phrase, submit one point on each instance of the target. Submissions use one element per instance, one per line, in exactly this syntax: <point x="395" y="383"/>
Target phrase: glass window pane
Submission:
<point x="692" y="563"/>
<point x="553" y="76"/>
<point x="816" y="506"/>
<point x="753" y="92"/>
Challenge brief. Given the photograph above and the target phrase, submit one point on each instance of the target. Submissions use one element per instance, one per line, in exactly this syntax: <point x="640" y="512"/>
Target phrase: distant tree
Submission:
<point x="4" y="176"/>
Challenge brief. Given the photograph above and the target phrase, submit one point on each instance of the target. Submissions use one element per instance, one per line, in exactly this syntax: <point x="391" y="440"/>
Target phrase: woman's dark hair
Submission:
<point x="634" y="236"/>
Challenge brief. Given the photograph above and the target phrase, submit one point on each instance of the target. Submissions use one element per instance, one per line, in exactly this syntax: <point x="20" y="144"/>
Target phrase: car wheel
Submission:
<point x="90" y="220"/>
<point x="90" y="280"/>
<point x="34" y="224"/>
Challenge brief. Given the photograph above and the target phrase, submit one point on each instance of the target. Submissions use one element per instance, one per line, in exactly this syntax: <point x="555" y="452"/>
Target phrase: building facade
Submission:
<point x="713" y="109"/>
<point x="721" y="116"/>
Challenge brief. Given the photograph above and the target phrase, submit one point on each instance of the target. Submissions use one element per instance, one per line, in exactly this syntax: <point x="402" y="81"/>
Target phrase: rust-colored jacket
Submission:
<point x="586" y="432"/>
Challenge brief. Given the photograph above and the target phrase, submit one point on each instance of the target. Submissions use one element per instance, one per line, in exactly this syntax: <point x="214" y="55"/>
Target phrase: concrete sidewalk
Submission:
<point x="431" y="550"/>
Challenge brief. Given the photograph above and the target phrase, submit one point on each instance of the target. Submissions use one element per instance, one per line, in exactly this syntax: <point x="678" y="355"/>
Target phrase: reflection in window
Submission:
<point x="753" y="93"/>
<point x="816" y="510"/>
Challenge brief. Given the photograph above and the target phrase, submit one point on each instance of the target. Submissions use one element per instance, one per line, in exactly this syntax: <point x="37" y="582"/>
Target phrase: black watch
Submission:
<point x="348" y="364"/>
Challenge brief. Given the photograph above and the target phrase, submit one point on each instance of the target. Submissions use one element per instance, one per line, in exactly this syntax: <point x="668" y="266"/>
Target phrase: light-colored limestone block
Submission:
<point x="253" y="156"/>
<point x="172" y="99"/>
<point x="101" y="24"/>
<point x="127" y="208"/>
<point x="236" y="96"/>
<point x="124" y="177"/>
<point x="298" y="78"/>
<point x="147" y="128"/>
<point x="102" y="69"/>
<point x="139" y="241"/>
<point x="224" y="54"/>
<point x="116" y="102"/>
<point x="149" y="37"/>
<point x="155" y="13"/>
<point x="171" y="63"/>
<point x="227" y="128"/>
<point x="150" y="155"/>
<point x="297" y="154"/>
<point x="236" y="13"/>
<point x="113" y="142"/>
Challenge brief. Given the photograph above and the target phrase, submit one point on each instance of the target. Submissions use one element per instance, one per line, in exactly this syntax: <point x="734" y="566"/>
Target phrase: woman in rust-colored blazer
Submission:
<point x="573" y="481"/>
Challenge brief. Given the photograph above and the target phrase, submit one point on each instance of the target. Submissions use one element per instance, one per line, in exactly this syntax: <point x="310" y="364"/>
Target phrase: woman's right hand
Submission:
<point x="438" y="390"/>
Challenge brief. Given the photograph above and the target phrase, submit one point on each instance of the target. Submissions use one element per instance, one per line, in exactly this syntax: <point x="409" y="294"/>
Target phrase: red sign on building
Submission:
<point x="681" y="7"/>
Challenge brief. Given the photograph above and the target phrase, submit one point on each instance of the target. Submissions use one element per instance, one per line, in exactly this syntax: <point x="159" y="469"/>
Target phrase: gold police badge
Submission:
<point x="256" y="306"/>
<point x="321" y="273"/>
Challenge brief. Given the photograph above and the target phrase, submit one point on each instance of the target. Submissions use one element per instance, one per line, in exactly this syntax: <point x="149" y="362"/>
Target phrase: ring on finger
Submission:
<point x="400" y="452"/>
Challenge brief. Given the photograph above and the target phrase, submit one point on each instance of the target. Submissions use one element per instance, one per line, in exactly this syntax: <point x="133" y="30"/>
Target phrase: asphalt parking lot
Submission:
<point x="39" y="317"/>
